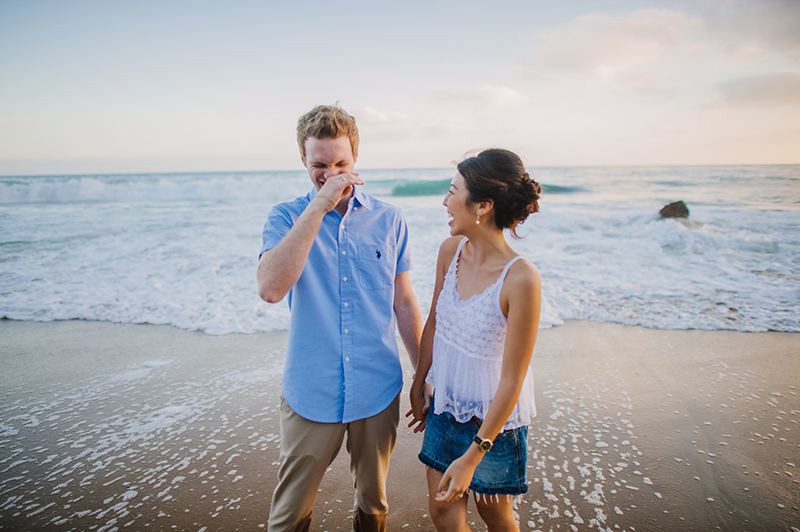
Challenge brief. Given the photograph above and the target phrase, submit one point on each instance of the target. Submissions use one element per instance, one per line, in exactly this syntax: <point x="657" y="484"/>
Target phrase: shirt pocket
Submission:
<point x="375" y="266"/>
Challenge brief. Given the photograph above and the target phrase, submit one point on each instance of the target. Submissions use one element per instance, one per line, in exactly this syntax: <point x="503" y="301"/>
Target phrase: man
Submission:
<point x="342" y="256"/>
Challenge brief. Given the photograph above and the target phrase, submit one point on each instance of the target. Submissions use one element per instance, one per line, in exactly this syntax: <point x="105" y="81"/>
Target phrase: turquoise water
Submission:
<point x="181" y="249"/>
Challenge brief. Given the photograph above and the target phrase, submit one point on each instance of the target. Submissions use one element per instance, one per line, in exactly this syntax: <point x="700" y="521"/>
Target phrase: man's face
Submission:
<point x="326" y="158"/>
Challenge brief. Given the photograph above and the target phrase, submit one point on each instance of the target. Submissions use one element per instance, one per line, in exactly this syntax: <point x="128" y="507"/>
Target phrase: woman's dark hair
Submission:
<point x="499" y="175"/>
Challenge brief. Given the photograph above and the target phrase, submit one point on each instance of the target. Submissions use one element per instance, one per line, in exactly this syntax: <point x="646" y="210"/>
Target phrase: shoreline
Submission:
<point x="112" y="425"/>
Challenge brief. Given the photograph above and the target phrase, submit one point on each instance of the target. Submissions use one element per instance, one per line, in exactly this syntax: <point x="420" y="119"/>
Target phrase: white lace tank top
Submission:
<point x="468" y="352"/>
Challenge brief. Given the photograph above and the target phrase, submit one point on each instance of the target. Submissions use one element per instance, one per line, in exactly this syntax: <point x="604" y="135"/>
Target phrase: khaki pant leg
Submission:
<point x="307" y="449"/>
<point x="370" y="443"/>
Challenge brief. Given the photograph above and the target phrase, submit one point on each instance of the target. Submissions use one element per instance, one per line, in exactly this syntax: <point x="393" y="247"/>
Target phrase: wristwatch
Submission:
<point x="483" y="445"/>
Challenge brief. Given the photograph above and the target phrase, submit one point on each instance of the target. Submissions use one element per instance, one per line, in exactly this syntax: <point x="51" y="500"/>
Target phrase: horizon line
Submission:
<point x="409" y="168"/>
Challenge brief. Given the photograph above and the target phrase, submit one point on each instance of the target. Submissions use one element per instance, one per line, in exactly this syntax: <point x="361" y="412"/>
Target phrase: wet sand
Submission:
<point x="112" y="427"/>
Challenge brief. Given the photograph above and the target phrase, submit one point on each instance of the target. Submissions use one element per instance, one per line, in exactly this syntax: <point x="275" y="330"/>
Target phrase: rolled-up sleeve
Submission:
<point x="278" y="224"/>
<point x="403" y="254"/>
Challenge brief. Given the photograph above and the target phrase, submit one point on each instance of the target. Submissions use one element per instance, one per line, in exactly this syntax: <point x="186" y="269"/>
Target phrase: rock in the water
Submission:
<point x="675" y="210"/>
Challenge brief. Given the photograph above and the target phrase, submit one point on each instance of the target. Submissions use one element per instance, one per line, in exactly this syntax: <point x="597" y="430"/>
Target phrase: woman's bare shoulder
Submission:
<point x="448" y="248"/>
<point x="523" y="276"/>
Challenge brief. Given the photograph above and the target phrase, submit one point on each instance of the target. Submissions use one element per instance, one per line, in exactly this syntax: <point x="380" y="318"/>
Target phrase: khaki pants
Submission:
<point x="308" y="448"/>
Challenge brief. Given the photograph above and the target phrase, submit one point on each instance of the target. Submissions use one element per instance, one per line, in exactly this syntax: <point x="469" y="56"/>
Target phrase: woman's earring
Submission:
<point x="478" y="220"/>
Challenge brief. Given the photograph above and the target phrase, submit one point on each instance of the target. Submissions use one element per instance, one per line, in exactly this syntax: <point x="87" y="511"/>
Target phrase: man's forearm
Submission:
<point x="409" y="325"/>
<point x="410" y="336"/>
<point x="281" y="266"/>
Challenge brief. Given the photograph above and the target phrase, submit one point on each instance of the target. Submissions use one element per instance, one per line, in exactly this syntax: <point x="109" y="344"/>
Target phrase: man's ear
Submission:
<point x="303" y="160"/>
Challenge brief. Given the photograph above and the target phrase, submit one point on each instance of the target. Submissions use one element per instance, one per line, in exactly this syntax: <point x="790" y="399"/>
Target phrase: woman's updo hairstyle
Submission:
<point x="499" y="175"/>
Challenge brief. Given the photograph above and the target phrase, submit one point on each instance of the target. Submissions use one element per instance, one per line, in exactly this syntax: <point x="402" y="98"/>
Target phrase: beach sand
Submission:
<point x="113" y="427"/>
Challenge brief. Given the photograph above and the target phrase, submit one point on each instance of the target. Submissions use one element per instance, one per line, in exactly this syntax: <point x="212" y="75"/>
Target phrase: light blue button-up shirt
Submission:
<point x="342" y="361"/>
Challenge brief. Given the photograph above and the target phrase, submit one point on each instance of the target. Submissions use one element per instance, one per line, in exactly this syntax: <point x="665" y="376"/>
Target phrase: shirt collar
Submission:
<point x="361" y="198"/>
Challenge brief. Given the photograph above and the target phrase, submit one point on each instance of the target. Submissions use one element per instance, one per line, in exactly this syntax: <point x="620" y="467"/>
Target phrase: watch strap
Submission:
<point x="483" y="445"/>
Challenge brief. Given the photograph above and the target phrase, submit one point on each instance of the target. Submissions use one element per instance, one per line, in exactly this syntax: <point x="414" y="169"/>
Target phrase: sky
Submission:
<point x="185" y="86"/>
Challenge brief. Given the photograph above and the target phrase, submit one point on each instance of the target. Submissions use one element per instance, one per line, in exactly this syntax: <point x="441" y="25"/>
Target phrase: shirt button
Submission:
<point x="344" y="278"/>
<point x="347" y="331"/>
<point x="347" y="359"/>
<point x="346" y="305"/>
<point x="344" y="253"/>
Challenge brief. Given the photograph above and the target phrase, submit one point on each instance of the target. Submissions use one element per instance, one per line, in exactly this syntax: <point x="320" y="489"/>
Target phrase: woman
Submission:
<point x="477" y="346"/>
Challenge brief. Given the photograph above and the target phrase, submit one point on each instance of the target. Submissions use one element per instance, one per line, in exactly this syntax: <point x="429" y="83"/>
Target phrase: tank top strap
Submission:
<point x="461" y="245"/>
<point x="508" y="267"/>
<point x="454" y="262"/>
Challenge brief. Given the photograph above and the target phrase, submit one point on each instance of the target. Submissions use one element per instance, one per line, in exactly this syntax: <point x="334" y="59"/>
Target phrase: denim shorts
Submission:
<point x="502" y="469"/>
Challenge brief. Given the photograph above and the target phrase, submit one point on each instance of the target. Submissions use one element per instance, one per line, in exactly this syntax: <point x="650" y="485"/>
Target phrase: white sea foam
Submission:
<point x="181" y="249"/>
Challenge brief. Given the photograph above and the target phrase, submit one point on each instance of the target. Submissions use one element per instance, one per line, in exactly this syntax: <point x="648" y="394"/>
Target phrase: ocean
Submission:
<point x="182" y="249"/>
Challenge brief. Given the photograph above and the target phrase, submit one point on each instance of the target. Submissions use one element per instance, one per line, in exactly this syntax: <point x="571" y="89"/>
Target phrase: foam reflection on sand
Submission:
<point x="111" y="427"/>
<point x="127" y="447"/>
<point x="663" y="432"/>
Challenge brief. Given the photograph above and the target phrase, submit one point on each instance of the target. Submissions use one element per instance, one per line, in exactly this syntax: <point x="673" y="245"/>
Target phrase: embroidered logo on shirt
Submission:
<point x="378" y="253"/>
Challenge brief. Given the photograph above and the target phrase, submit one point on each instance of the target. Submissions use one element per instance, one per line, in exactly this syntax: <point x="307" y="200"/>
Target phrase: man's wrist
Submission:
<point x="327" y="198"/>
<point x="324" y="203"/>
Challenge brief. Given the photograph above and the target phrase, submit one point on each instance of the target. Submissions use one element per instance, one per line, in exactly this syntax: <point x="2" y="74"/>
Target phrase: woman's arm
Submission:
<point x="520" y="300"/>
<point x="420" y="394"/>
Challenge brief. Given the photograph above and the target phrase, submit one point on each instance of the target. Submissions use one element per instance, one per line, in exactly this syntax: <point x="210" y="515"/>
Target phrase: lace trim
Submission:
<point x="468" y="352"/>
<point x="476" y="326"/>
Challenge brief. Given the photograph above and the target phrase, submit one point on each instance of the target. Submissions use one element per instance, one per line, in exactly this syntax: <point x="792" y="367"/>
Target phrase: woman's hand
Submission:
<point x="420" y="396"/>
<point x="456" y="479"/>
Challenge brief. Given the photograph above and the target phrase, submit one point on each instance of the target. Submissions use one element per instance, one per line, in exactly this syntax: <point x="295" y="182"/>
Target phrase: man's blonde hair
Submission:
<point x="327" y="122"/>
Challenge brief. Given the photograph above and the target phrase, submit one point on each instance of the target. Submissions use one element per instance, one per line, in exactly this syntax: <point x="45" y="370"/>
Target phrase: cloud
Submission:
<point x="776" y="88"/>
<point x="629" y="49"/>
<point x="389" y="125"/>
<point x="371" y="116"/>
<point x="755" y="29"/>
<point x="482" y="96"/>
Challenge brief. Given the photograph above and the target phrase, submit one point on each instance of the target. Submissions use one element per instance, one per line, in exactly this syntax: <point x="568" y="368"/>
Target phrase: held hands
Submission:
<point x="420" y="396"/>
<point x="338" y="187"/>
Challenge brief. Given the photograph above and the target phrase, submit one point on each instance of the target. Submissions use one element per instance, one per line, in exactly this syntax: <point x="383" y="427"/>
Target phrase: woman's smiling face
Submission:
<point x="456" y="202"/>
